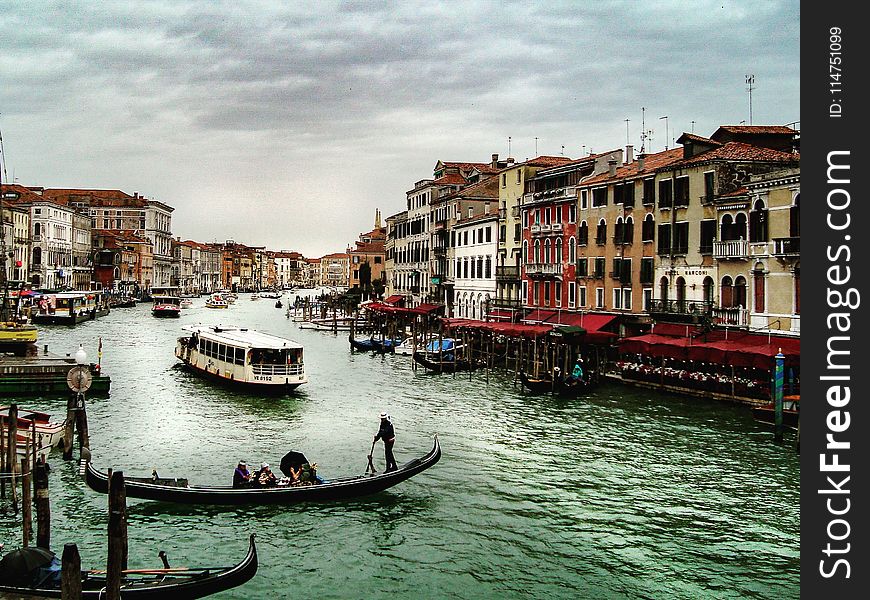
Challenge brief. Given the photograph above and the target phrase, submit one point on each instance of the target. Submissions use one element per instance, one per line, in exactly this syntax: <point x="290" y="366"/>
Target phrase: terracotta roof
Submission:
<point x="451" y="179"/>
<point x="756" y="129"/>
<point x="547" y="161"/>
<point x="739" y="151"/>
<point x="465" y="165"/>
<point x="697" y="138"/>
<point x="486" y="190"/>
<point x="94" y="197"/>
<point x="313" y="261"/>
<point x="335" y="255"/>
<point x="25" y="195"/>
<point x="651" y="163"/>
<point x="368" y="248"/>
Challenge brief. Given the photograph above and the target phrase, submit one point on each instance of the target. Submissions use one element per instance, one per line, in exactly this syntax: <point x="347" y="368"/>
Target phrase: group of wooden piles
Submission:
<point x="34" y="492"/>
<point x="480" y="348"/>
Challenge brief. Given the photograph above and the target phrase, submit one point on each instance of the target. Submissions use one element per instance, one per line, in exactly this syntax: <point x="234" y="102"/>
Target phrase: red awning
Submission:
<point x="538" y="316"/>
<point x="395" y="300"/>
<point x="675" y="329"/>
<point x="739" y="350"/>
<point x="516" y="330"/>
<point x="427" y="309"/>
<point x="500" y="314"/>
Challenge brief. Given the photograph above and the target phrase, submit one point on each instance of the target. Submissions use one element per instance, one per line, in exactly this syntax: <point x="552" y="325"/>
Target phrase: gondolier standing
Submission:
<point x="387" y="434"/>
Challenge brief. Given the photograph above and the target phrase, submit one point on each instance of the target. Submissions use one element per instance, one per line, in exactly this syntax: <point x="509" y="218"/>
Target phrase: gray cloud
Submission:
<point x="286" y="108"/>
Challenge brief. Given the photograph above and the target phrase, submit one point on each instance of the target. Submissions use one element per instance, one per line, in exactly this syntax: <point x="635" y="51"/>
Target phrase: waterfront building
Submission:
<point x="550" y="231"/>
<point x="51" y="233"/>
<point x="474" y="260"/>
<point x="335" y="269"/>
<point x="184" y="275"/>
<point x="704" y="221"/>
<point x="368" y="256"/>
<point x="311" y="272"/>
<point x="211" y="267"/>
<point x="770" y="263"/>
<point x="120" y="259"/>
<point x="289" y="268"/>
<point x="458" y="190"/>
<point x="81" y="266"/>
<point x="411" y="242"/>
<point x="512" y="181"/>
<point x="393" y="222"/>
<point x="615" y="264"/>
<point x="15" y="219"/>
<point x="119" y="211"/>
<point x="238" y="266"/>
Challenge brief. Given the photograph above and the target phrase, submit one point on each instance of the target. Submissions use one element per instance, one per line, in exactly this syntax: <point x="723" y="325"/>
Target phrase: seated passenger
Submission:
<point x="265" y="476"/>
<point x="308" y="474"/>
<point x="241" y="476"/>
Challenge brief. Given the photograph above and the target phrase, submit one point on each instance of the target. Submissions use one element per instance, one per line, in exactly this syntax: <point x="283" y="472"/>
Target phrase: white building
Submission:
<point x="52" y="235"/>
<point x="473" y="265"/>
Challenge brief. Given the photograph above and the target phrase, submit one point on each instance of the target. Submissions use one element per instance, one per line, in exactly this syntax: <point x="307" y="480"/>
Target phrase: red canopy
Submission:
<point x="395" y="300"/>
<point x="508" y="329"/>
<point x="740" y="349"/>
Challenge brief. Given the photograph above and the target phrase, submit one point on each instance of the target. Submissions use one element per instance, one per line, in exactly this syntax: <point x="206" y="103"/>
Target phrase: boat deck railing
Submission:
<point x="278" y="369"/>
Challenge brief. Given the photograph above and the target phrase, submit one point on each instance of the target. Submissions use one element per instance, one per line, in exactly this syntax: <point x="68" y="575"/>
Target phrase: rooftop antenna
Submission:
<point x="509" y="146"/>
<point x="584" y="150"/>
<point x="666" y="130"/>
<point x="642" y="129"/>
<point x="750" y="82"/>
<point x="536" y="145"/>
<point x="693" y="126"/>
<point x="627" y="138"/>
<point x="563" y="149"/>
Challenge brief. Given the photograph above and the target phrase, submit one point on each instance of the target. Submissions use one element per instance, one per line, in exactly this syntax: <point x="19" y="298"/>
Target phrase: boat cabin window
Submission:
<point x="240" y="356"/>
<point x="267" y="356"/>
<point x="294" y="356"/>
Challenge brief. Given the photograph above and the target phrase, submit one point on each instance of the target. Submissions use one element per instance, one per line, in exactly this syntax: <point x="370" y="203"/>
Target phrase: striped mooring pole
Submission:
<point x="777" y="397"/>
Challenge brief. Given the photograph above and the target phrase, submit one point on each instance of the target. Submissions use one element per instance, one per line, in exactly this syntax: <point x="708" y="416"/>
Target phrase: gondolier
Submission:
<point x="388" y="434"/>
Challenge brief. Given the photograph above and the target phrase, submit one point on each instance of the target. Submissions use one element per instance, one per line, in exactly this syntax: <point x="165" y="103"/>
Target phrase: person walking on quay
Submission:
<point x="387" y="433"/>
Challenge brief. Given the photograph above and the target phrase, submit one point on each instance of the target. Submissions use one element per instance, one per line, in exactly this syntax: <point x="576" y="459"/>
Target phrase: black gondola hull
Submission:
<point x="337" y="489"/>
<point x="199" y="583"/>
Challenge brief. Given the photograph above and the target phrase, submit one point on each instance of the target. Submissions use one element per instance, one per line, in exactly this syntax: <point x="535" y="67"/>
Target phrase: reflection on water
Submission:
<point x="621" y="494"/>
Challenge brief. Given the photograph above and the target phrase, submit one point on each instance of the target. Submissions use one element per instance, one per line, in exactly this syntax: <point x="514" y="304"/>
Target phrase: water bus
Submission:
<point x="166" y="306"/>
<point x="69" y="308"/>
<point x="243" y="357"/>
<point x="216" y="301"/>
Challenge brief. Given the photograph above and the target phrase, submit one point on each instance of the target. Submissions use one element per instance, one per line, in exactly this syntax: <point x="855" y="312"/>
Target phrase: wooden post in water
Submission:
<point x="777" y="396"/>
<point x="26" y="502"/>
<point x="11" y="453"/>
<point x="3" y="463"/>
<point x="82" y="424"/>
<point x="69" y="427"/>
<point x="71" y="573"/>
<point x="117" y="555"/>
<point x="43" y="506"/>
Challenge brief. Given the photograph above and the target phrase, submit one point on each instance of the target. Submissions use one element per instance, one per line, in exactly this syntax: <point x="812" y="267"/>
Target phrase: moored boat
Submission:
<point x="330" y="489"/>
<point x="766" y="413"/>
<point x="362" y="344"/>
<point x="243" y="357"/>
<point x="166" y="306"/>
<point x="69" y="308"/>
<point x="183" y="583"/>
<point x="49" y="434"/>
<point x="561" y="386"/>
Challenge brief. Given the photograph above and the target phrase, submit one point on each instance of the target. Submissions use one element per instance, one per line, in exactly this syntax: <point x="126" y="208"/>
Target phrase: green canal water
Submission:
<point x="623" y="494"/>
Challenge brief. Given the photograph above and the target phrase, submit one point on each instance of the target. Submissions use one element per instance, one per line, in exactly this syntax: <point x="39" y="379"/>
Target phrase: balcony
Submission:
<point x="535" y="229"/>
<point x="542" y="228"/>
<point x="738" y="317"/>
<point x="556" y="227"/>
<point x="543" y="269"/>
<point x="681" y="311"/>
<point x="790" y="246"/>
<point x="509" y="273"/>
<point x="731" y="249"/>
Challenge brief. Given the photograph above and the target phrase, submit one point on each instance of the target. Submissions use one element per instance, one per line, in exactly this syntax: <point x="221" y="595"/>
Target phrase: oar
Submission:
<point x="371" y="464"/>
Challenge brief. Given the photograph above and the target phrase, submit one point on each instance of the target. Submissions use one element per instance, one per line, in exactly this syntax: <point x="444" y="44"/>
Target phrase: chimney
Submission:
<point x="640" y="160"/>
<point x="629" y="154"/>
<point x="135" y="195"/>
<point x="611" y="164"/>
<point x="495" y="161"/>
<point x="486" y="208"/>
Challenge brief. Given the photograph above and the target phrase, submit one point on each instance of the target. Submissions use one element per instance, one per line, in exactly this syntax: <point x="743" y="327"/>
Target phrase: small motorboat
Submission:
<point x="766" y="413"/>
<point x="216" y="301"/>
<point x="186" y="303"/>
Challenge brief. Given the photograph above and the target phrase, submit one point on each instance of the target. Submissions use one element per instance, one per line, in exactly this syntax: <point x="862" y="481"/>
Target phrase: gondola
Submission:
<point x="334" y="489"/>
<point x="443" y="366"/>
<point x="386" y="344"/>
<point x="362" y="345"/>
<point x="562" y="387"/>
<point x="179" y="583"/>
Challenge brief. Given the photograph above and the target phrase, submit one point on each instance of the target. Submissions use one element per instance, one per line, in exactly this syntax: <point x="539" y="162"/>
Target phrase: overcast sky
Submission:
<point x="286" y="124"/>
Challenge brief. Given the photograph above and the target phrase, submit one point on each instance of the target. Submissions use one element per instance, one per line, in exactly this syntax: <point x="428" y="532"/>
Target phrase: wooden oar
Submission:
<point x="371" y="464"/>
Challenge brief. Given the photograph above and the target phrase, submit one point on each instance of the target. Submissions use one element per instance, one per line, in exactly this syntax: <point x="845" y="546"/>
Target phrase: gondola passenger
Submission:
<point x="241" y="476"/>
<point x="265" y="477"/>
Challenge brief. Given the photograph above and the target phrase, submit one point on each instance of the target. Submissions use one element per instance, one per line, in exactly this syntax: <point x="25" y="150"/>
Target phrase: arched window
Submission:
<point x="618" y="231"/>
<point x="681" y="294"/>
<point x="648" y="232"/>
<point x="547" y="255"/>
<point x="758" y="223"/>
<point x="708" y="290"/>
<point x="525" y="251"/>
<point x="583" y="234"/>
<point x="794" y="226"/>
<point x="758" y="287"/>
<point x="727" y="292"/>
<point x="537" y="251"/>
<point x="628" y="231"/>
<point x="727" y="228"/>
<point x="740" y="291"/>
<point x="558" y="251"/>
<point x="740" y="226"/>
<point x="480" y="306"/>
<point x="601" y="233"/>
<point x="572" y="250"/>
<point x="663" y="291"/>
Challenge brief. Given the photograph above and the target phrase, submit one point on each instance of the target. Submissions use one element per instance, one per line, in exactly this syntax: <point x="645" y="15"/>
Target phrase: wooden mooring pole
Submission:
<point x="71" y="573"/>
<point x="12" y="454"/>
<point x="26" y="502"/>
<point x="43" y="506"/>
<point x="117" y="552"/>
